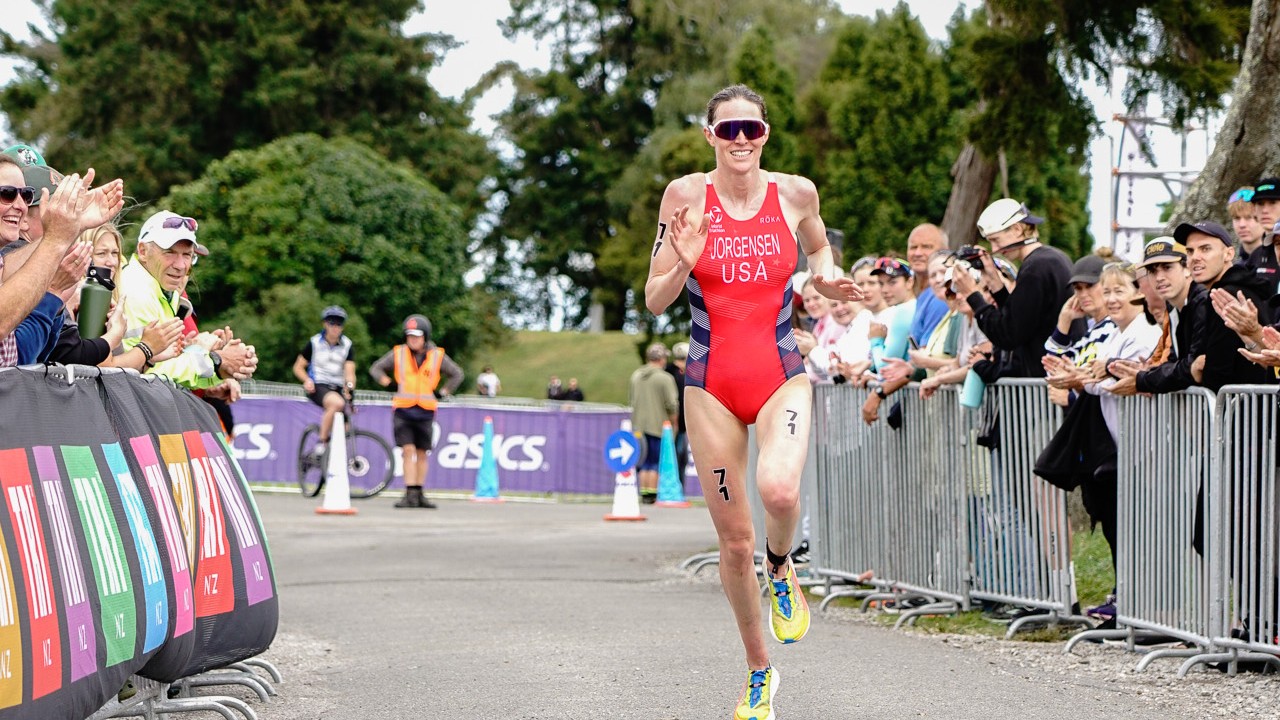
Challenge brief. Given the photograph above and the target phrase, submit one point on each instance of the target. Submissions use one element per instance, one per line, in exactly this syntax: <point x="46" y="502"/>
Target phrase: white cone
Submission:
<point x="626" y="498"/>
<point x="337" y="486"/>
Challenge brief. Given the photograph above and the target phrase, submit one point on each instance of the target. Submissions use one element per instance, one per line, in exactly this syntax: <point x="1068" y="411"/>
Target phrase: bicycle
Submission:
<point x="370" y="463"/>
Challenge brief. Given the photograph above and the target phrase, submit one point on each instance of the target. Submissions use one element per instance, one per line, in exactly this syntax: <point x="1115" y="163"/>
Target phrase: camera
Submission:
<point x="972" y="255"/>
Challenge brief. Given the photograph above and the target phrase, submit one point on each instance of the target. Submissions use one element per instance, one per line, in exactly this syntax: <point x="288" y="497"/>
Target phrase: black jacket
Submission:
<point x="1201" y="331"/>
<point x="1021" y="321"/>
<point x="1264" y="263"/>
<point x="1080" y="447"/>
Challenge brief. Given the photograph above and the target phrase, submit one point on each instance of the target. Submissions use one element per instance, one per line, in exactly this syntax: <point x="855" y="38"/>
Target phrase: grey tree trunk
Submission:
<point x="1248" y="145"/>
<point x="973" y="174"/>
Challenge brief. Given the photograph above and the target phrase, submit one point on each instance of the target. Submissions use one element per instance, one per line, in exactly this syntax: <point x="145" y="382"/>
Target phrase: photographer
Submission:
<point x="1018" y="322"/>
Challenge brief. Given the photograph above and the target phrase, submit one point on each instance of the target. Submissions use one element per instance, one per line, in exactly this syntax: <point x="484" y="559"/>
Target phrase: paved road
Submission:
<point x="545" y="611"/>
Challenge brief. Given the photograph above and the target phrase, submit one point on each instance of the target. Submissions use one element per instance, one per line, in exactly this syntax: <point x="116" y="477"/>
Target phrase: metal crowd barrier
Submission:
<point x="935" y="515"/>
<point x="1168" y="452"/>
<point x="1245" y="615"/>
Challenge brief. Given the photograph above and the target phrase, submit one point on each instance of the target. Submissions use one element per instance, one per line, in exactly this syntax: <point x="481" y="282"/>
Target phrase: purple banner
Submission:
<point x="537" y="450"/>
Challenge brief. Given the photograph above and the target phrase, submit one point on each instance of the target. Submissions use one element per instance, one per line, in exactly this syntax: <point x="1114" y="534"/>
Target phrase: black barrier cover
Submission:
<point x="129" y="541"/>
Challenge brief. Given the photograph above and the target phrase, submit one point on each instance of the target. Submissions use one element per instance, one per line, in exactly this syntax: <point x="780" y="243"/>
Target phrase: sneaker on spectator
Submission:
<point x="893" y="607"/>
<point x="1001" y="613"/>
<point x="789" y="610"/>
<point x="1017" y="613"/>
<point x="757" y="696"/>
<point x="1105" y="611"/>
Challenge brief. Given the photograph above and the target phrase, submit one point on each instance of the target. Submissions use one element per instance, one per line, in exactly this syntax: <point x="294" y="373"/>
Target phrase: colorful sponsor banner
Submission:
<point x="537" y="450"/>
<point x="82" y="631"/>
<point x="155" y="598"/>
<point x="253" y="561"/>
<point x="173" y="455"/>
<point x="101" y="535"/>
<point x="215" y="592"/>
<point x="10" y="632"/>
<point x="117" y="615"/>
<point x="171" y="529"/>
<point x="42" y="621"/>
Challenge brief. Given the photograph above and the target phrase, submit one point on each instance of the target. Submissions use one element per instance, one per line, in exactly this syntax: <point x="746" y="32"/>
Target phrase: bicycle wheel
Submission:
<point x="310" y="469"/>
<point x="370" y="463"/>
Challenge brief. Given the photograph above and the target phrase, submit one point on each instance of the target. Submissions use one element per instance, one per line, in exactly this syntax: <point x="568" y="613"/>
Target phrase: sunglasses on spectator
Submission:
<point x="177" y="222"/>
<point x="9" y="193"/>
<point x="752" y="128"/>
<point x="1243" y="194"/>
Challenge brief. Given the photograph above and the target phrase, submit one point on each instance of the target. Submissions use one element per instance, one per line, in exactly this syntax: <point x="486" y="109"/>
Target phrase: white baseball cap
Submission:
<point x="166" y="229"/>
<point x="1004" y="213"/>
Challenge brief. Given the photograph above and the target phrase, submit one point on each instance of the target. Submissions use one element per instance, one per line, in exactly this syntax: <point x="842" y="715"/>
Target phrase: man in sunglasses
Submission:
<point x="69" y="210"/>
<point x="1020" y="321"/>
<point x="151" y="287"/>
<point x="38" y="333"/>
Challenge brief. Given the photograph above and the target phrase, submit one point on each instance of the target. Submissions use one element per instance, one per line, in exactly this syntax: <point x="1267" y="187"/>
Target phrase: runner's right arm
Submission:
<point x="682" y="233"/>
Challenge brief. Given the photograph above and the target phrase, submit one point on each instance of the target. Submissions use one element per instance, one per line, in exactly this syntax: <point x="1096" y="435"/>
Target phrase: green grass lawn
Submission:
<point x="602" y="362"/>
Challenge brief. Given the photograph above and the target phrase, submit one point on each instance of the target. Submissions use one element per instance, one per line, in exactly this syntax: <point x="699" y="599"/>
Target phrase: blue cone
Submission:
<point x="487" y="479"/>
<point x="670" y="484"/>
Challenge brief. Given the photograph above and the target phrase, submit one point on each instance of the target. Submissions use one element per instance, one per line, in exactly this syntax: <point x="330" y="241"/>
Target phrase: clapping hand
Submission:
<point x="1238" y="313"/>
<point x="1267" y="353"/>
<point x="896" y="370"/>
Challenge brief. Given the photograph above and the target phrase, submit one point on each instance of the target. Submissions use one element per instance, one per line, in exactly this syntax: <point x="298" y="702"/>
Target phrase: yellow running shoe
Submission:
<point x="757" y="696"/>
<point x="789" y="619"/>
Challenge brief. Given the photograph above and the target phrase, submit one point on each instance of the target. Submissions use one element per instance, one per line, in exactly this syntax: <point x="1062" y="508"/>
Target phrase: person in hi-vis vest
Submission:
<point x="418" y="368"/>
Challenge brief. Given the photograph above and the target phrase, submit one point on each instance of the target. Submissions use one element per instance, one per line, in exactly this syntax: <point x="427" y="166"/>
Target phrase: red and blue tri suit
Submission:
<point x="741" y="349"/>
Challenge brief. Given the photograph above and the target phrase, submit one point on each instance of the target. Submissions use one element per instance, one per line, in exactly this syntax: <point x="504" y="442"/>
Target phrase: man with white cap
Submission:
<point x="151" y="289"/>
<point x="1019" y="321"/>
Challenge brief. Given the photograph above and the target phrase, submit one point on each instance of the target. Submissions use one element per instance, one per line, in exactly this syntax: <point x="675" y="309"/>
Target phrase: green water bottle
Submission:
<point x="95" y="301"/>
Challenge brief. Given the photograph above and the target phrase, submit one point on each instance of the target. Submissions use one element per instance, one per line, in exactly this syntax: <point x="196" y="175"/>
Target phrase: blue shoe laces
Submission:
<point x="782" y="591"/>
<point x="756" y="683"/>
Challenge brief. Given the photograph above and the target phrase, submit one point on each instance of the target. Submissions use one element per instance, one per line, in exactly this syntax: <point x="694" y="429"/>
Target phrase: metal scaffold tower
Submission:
<point x="1153" y="162"/>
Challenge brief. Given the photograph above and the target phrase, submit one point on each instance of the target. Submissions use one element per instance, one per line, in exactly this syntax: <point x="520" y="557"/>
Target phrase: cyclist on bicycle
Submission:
<point x="327" y="369"/>
<point x="417" y="367"/>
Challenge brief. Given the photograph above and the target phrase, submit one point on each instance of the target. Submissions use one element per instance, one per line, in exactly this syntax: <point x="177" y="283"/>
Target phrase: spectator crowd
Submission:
<point x="60" y="242"/>
<point x="1199" y="308"/>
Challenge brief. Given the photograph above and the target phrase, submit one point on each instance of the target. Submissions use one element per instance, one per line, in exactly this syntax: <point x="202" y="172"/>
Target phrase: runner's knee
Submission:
<point x="779" y="494"/>
<point x="738" y="548"/>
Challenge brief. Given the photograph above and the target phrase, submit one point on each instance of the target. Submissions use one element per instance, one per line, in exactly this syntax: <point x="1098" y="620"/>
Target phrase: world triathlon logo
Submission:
<point x="716" y="214"/>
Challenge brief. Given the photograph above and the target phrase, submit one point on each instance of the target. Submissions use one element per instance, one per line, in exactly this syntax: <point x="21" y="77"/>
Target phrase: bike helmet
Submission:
<point x="418" y="325"/>
<point x="334" y="311"/>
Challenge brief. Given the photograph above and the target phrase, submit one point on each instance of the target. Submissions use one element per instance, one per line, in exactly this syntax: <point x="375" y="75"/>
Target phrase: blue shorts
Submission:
<point x="652" y="453"/>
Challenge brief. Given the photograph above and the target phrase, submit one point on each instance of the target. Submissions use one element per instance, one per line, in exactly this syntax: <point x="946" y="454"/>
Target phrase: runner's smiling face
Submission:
<point x="740" y="152"/>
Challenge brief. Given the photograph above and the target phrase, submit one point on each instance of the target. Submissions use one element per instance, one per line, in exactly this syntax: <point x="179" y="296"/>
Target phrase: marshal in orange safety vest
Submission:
<point x="417" y="383"/>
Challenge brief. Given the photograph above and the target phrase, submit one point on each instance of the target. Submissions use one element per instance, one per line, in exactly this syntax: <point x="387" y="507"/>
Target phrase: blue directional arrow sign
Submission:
<point x="621" y="451"/>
